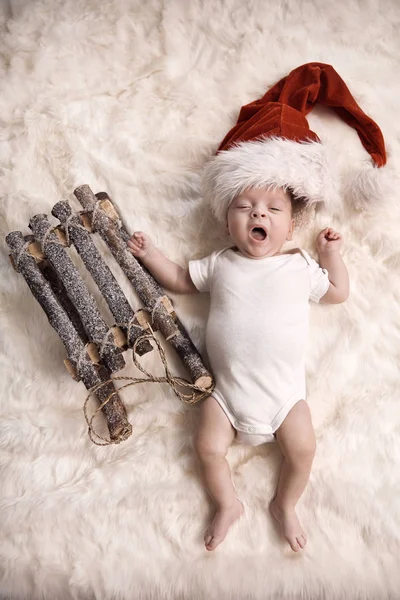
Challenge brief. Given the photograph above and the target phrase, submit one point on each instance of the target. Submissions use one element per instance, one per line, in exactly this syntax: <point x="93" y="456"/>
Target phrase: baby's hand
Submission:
<point x="140" y="244"/>
<point x="329" y="240"/>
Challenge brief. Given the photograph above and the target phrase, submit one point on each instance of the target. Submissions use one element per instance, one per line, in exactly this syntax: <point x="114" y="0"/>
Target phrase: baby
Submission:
<point x="255" y="341"/>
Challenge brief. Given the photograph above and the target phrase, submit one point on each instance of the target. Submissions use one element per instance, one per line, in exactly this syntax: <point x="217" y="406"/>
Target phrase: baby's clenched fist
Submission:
<point x="140" y="244"/>
<point x="329" y="240"/>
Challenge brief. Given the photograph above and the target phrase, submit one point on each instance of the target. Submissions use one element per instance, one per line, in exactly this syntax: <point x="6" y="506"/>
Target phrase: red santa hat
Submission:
<point x="272" y="144"/>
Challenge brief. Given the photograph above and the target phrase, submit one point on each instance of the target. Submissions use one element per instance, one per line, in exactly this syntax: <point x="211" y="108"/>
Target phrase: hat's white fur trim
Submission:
<point x="305" y="167"/>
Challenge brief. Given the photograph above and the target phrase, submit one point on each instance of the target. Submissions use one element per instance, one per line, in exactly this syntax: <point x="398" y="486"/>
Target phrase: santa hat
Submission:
<point x="272" y="144"/>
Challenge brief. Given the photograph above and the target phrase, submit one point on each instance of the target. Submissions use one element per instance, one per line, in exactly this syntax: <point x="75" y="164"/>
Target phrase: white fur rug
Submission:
<point x="131" y="98"/>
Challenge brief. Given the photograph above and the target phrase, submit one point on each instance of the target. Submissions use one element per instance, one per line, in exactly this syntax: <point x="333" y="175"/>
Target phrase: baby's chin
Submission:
<point x="257" y="253"/>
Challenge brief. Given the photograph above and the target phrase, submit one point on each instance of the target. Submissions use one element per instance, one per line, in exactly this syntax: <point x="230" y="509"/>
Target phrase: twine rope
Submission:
<point x="96" y="211"/>
<point x="46" y="241"/>
<point x="195" y="394"/>
<point x="131" y="325"/>
<point x="105" y="343"/>
<point x="21" y="253"/>
<point x="69" y="223"/>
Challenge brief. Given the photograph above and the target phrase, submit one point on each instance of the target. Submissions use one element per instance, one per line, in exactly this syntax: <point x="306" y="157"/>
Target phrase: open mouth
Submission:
<point x="258" y="233"/>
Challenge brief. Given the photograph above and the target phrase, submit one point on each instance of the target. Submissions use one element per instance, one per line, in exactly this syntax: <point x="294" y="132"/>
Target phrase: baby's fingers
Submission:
<point x="134" y="250"/>
<point x="138" y="236"/>
<point x="323" y="233"/>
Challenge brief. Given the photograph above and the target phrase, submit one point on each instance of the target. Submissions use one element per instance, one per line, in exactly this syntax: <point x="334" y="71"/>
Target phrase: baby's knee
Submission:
<point x="304" y="450"/>
<point x="308" y="448"/>
<point x="208" y="448"/>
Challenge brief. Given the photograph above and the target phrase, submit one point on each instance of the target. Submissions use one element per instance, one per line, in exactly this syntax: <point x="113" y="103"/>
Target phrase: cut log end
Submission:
<point x="108" y="207"/>
<point x="168" y="305"/>
<point x="36" y="251"/>
<point x="60" y="233"/>
<point x="69" y="365"/>
<point x="86" y="222"/>
<point x="93" y="353"/>
<point x="119" y="337"/>
<point x="121" y="432"/>
<point x="143" y="318"/>
<point x="205" y="382"/>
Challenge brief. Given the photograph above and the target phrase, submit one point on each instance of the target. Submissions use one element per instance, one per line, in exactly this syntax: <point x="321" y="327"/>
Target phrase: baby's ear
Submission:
<point x="290" y="232"/>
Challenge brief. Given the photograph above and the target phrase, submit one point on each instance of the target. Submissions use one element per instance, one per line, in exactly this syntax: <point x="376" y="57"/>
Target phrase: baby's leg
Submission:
<point x="296" y="439"/>
<point x="213" y="437"/>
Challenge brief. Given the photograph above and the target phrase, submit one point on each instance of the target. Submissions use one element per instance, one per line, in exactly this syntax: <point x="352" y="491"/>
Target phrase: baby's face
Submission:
<point x="259" y="221"/>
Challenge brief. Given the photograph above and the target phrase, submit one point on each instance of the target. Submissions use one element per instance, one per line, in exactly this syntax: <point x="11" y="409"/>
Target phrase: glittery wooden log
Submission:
<point x="78" y="353"/>
<point x="108" y="207"/>
<point x="149" y="291"/>
<point x="105" y="280"/>
<point x="114" y="411"/>
<point x="57" y="285"/>
<point x="84" y="302"/>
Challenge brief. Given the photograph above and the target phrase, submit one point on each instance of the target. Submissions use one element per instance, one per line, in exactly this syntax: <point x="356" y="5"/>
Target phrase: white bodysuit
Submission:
<point x="256" y="334"/>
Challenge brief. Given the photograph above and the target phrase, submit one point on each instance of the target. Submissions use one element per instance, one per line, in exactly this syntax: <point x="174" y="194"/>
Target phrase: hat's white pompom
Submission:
<point x="369" y="187"/>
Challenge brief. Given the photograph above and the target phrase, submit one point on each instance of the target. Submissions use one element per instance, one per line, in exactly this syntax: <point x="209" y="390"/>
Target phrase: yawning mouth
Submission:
<point x="258" y="233"/>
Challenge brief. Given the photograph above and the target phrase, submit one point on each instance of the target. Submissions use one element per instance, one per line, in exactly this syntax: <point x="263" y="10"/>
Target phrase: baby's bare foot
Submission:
<point x="221" y="523"/>
<point x="291" y="528"/>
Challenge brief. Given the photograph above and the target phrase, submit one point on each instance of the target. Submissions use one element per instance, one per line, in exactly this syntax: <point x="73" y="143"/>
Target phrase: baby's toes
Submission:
<point x="214" y="542"/>
<point x="301" y="540"/>
<point x="294" y="544"/>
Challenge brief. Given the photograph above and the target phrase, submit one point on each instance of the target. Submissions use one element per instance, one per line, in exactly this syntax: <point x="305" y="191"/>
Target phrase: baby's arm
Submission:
<point x="329" y="243"/>
<point x="168" y="274"/>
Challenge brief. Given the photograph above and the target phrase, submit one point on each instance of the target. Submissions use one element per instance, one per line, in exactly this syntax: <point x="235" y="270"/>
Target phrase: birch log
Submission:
<point x="57" y="285"/>
<point x="149" y="291"/>
<point x="102" y="275"/>
<point x="84" y="302"/>
<point x="91" y="374"/>
<point x="108" y="207"/>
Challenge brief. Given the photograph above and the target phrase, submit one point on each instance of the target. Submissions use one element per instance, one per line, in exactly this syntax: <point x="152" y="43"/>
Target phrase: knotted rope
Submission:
<point x="197" y="393"/>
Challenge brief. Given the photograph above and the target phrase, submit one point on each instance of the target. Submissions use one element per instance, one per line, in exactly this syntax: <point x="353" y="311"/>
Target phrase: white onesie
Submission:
<point x="256" y="334"/>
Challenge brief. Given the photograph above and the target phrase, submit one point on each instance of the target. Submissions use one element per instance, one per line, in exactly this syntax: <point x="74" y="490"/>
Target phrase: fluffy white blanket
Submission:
<point x="131" y="98"/>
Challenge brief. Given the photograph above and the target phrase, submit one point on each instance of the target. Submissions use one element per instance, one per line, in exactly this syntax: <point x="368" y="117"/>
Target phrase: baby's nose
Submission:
<point x="258" y="213"/>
